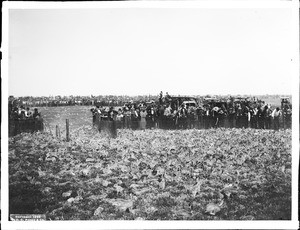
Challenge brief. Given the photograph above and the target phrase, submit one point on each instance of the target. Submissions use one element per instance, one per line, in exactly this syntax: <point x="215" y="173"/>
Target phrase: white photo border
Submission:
<point x="293" y="224"/>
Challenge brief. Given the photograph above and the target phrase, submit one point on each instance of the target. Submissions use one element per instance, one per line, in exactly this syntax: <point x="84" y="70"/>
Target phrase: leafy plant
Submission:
<point x="152" y="174"/>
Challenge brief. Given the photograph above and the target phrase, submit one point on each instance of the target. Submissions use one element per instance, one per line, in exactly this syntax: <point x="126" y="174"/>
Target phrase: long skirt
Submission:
<point x="143" y="123"/>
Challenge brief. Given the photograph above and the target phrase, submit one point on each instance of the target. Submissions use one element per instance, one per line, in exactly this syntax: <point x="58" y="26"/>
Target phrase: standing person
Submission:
<point x="22" y="113"/>
<point x="149" y="123"/>
<point x="133" y="118"/>
<point x="137" y="116"/>
<point x="245" y="116"/>
<point x="198" y="117"/>
<point x="22" y="117"/>
<point x="192" y="117"/>
<point x="222" y="115"/>
<point x="167" y="98"/>
<point x="155" y="116"/>
<point x="249" y="117"/>
<point x="215" y="115"/>
<point x="36" y="113"/>
<point x="254" y="118"/>
<point x="161" y="111"/>
<point x="268" y="117"/>
<point x="110" y="114"/>
<point x="127" y="118"/>
<point x="96" y="113"/>
<point x="264" y="114"/>
<point x="231" y="115"/>
<point x="175" y="117"/>
<point x="239" y="114"/>
<point x="168" y="111"/>
<point x="28" y="113"/>
<point x="38" y="124"/>
<point x="120" y="119"/>
<point x="188" y="117"/>
<point x="143" y="115"/>
<point x="276" y="115"/>
<point x="29" y="124"/>
<point x="167" y="116"/>
<point x="206" y="117"/>
<point x="260" y="118"/>
<point x="183" y="117"/>
<point x="14" y="115"/>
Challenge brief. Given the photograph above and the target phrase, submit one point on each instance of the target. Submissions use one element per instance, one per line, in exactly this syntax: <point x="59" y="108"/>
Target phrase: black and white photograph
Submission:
<point x="150" y="114"/>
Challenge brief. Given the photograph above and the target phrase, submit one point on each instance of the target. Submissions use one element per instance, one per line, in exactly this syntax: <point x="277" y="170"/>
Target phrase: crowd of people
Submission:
<point x="165" y="116"/>
<point x="22" y="113"/>
<point x="54" y="101"/>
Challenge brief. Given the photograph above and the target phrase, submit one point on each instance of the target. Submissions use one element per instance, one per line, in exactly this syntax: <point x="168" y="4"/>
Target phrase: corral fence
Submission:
<point x="29" y="125"/>
<point x="196" y="122"/>
<point x="105" y="125"/>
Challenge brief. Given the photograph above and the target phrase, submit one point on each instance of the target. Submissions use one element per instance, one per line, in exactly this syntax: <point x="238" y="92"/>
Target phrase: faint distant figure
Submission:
<point x="160" y="97"/>
<point x="167" y="98"/>
<point x="276" y="115"/>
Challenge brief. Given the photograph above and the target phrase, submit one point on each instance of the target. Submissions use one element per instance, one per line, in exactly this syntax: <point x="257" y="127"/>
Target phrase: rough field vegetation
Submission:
<point x="152" y="174"/>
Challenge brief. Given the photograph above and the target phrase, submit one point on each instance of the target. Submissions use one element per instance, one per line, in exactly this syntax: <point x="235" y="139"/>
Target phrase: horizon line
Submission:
<point x="136" y="95"/>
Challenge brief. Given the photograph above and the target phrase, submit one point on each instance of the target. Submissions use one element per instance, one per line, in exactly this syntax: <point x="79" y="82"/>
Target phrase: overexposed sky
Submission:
<point x="143" y="51"/>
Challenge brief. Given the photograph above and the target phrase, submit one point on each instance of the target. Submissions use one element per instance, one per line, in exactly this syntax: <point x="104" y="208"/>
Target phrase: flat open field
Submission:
<point x="78" y="116"/>
<point x="272" y="100"/>
<point x="152" y="175"/>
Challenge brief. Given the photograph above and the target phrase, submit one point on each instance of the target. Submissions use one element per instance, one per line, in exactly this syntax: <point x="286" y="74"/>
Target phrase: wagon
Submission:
<point x="178" y="101"/>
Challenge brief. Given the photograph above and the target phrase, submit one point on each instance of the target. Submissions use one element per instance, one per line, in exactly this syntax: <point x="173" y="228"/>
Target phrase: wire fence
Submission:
<point x="110" y="126"/>
<point x="198" y="122"/>
<point x="29" y="125"/>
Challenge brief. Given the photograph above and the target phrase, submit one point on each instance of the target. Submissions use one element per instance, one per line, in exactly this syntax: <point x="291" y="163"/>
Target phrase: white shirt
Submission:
<point x="276" y="113"/>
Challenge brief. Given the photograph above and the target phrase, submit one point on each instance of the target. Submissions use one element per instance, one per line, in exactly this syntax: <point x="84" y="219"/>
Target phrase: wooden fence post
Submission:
<point x="57" y="131"/>
<point x="67" y="130"/>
